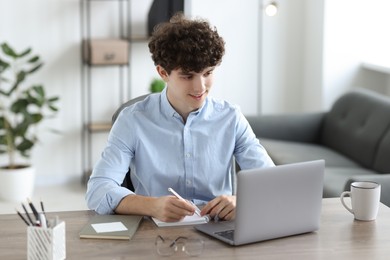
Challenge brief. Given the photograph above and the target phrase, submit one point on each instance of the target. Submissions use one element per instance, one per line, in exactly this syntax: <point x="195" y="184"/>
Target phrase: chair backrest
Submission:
<point x="127" y="104"/>
<point x="358" y="126"/>
<point x="127" y="180"/>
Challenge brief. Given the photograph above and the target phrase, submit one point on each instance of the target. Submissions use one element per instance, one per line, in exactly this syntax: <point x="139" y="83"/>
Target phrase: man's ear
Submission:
<point x="162" y="72"/>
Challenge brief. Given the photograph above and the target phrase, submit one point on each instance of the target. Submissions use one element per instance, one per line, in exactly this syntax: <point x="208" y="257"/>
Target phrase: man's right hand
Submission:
<point x="170" y="209"/>
<point x="165" y="208"/>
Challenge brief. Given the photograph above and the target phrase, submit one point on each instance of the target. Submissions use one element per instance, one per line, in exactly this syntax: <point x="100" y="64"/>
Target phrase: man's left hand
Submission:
<point x="222" y="207"/>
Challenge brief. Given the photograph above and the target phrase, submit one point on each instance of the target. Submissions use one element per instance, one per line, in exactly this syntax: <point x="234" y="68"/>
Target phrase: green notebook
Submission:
<point x="120" y="227"/>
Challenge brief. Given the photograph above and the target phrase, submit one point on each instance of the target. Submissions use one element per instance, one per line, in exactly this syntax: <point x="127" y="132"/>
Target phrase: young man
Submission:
<point x="181" y="138"/>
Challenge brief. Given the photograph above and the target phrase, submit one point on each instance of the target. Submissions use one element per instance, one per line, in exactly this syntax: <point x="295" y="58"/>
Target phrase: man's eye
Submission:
<point x="208" y="73"/>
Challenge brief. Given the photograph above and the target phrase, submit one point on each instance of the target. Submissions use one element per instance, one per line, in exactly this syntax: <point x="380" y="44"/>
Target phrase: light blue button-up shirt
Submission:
<point x="194" y="158"/>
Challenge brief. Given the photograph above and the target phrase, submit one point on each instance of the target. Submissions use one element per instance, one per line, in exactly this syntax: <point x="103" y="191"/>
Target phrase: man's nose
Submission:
<point x="199" y="85"/>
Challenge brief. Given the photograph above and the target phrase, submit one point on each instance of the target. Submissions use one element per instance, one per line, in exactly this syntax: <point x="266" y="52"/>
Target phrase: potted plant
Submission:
<point x="22" y="108"/>
<point x="157" y="85"/>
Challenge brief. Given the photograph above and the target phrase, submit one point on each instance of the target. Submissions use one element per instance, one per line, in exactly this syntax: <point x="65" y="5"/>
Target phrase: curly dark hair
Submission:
<point x="191" y="45"/>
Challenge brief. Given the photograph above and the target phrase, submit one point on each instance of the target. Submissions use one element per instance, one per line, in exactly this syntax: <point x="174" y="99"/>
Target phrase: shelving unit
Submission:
<point x="102" y="53"/>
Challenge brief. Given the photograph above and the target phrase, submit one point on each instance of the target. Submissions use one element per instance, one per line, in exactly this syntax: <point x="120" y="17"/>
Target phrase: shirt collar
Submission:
<point x="169" y="111"/>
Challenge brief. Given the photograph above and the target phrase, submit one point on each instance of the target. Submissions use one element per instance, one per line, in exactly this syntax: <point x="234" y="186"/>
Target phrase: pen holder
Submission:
<point x="46" y="243"/>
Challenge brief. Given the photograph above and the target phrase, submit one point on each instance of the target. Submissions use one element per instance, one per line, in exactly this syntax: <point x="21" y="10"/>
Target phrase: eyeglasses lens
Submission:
<point x="167" y="247"/>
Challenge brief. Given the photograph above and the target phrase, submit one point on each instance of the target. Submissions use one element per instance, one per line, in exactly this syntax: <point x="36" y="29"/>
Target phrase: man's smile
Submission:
<point x="197" y="96"/>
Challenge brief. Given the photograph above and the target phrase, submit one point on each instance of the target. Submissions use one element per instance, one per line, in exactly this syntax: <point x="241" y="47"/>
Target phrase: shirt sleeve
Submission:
<point x="104" y="191"/>
<point x="249" y="153"/>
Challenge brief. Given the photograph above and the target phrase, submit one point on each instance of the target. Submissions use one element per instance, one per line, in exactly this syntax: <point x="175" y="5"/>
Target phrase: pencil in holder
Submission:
<point x="46" y="243"/>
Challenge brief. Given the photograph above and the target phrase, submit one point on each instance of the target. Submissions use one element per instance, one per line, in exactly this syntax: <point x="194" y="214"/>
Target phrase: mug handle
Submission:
<point x="344" y="194"/>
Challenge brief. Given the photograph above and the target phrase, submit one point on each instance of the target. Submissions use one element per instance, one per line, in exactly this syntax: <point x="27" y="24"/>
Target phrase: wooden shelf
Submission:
<point x="139" y="38"/>
<point x="99" y="127"/>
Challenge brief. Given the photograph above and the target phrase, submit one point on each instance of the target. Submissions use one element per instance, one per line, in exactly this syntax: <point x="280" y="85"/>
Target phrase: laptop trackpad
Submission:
<point x="213" y="227"/>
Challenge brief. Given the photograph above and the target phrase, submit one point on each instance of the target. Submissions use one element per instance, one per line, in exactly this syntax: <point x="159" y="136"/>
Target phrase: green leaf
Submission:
<point x="53" y="99"/>
<point x="53" y="108"/>
<point x="24" y="53"/>
<point x="35" y="68"/>
<point x="5" y="124"/>
<point x="34" y="96"/>
<point x="25" y="145"/>
<point x="3" y="65"/>
<point x="33" y="59"/>
<point x="3" y="140"/>
<point x="39" y="90"/>
<point x="8" y="51"/>
<point x="21" y="128"/>
<point x="157" y="85"/>
<point x="35" y="118"/>
<point x="20" y="76"/>
<point x="19" y="106"/>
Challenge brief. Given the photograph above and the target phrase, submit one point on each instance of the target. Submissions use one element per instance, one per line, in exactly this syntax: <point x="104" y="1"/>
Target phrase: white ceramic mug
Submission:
<point x="365" y="197"/>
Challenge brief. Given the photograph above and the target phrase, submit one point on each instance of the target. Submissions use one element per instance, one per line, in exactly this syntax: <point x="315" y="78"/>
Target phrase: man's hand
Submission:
<point x="222" y="207"/>
<point x="166" y="208"/>
<point x="170" y="209"/>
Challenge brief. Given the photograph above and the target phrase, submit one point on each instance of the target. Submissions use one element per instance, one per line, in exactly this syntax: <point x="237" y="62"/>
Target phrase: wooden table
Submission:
<point x="339" y="237"/>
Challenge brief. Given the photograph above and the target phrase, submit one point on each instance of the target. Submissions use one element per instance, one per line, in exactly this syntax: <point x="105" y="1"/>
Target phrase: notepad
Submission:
<point x="188" y="220"/>
<point x="121" y="227"/>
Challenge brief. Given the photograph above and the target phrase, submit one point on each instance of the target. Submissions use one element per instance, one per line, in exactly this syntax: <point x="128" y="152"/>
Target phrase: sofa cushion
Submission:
<point x="283" y="152"/>
<point x="356" y="125"/>
<point x="336" y="179"/>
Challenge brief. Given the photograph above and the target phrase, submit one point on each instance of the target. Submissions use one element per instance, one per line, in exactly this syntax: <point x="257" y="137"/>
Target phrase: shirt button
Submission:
<point x="188" y="155"/>
<point x="188" y="183"/>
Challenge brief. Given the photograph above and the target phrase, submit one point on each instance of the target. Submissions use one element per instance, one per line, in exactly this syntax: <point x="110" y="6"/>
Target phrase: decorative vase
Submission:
<point x="16" y="184"/>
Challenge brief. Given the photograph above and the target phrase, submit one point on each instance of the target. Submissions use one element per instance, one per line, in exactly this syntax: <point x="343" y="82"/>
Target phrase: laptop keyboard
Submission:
<point x="228" y="234"/>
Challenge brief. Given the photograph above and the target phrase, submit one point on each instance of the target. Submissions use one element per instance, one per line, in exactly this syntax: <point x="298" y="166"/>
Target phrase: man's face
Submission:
<point x="187" y="91"/>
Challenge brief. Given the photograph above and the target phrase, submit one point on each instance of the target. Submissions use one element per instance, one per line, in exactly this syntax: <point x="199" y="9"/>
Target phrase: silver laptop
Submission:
<point x="273" y="202"/>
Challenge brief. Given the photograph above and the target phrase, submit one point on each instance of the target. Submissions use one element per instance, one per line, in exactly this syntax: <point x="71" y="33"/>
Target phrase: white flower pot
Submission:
<point x="16" y="184"/>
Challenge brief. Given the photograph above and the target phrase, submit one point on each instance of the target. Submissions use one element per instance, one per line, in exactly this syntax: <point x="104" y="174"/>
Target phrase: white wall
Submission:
<point x="343" y="46"/>
<point x="283" y="45"/>
<point x="292" y="51"/>
<point x="355" y="32"/>
<point x="51" y="28"/>
<point x="236" y="79"/>
<point x="312" y="98"/>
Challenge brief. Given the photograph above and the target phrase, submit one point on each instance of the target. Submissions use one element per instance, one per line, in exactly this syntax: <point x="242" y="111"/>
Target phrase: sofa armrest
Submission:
<point x="383" y="179"/>
<point x="288" y="127"/>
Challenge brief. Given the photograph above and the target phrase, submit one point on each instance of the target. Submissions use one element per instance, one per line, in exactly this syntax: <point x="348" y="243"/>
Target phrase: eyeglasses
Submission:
<point x="168" y="247"/>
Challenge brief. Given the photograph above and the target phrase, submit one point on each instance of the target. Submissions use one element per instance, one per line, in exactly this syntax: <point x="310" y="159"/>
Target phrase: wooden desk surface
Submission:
<point x="339" y="237"/>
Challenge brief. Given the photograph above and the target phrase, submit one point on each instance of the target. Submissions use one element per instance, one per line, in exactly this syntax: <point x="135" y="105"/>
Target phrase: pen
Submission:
<point x="44" y="214"/>
<point x="21" y="216"/>
<point x="35" y="212"/>
<point x="197" y="210"/>
<point x="28" y="215"/>
<point x="42" y="208"/>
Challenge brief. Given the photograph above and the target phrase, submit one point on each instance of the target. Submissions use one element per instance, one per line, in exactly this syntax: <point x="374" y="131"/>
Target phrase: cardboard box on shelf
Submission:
<point x="106" y="52"/>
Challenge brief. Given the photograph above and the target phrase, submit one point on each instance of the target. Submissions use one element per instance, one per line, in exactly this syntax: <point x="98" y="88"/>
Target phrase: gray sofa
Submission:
<point x="353" y="138"/>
